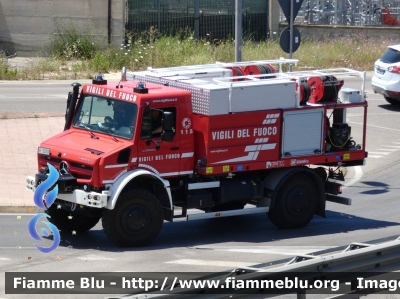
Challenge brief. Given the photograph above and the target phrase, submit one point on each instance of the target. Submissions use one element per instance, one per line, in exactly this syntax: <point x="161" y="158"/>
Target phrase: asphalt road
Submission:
<point x="35" y="96"/>
<point x="226" y="243"/>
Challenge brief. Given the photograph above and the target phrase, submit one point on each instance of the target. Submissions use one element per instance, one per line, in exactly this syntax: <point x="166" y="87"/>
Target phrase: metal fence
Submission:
<point x="349" y="13"/>
<point x="216" y="18"/>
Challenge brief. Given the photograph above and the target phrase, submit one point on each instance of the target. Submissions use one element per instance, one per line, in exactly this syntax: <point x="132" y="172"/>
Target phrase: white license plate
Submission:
<point x="380" y="71"/>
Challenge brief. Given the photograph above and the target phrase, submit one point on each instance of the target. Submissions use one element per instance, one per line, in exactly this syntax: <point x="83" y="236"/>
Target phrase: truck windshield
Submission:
<point x="103" y="115"/>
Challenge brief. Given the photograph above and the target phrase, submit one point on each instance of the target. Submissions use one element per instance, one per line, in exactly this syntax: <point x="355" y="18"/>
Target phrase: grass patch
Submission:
<point x="75" y="55"/>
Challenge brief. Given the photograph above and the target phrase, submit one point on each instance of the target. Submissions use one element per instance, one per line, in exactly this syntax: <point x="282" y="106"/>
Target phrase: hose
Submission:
<point x="330" y="89"/>
<point x="306" y="92"/>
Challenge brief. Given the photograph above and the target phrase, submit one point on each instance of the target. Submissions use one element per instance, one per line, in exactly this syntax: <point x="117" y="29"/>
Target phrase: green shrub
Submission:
<point x="68" y="43"/>
<point x="5" y="72"/>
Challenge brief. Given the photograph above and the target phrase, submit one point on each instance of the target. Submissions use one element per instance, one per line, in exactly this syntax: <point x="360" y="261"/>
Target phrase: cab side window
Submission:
<point x="153" y="122"/>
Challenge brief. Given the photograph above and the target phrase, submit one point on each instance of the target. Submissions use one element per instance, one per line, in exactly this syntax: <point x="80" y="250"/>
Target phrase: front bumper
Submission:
<point x="79" y="197"/>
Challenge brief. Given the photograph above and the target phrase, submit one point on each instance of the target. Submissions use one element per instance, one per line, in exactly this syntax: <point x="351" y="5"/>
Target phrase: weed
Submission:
<point x="68" y="43"/>
<point x="149" y="49"/>
<point x="6" y="73"/>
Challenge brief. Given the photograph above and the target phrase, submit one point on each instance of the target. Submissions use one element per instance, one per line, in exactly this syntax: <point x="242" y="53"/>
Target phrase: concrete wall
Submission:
<point x="320" y="32"/>
<point x="26" y="25"/>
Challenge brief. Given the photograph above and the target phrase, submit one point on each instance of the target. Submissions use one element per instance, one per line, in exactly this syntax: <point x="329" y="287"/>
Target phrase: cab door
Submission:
<point x="154" y="154"/>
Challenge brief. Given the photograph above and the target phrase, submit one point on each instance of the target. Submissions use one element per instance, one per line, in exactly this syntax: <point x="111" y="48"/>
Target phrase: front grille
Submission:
<point x="52" y="159"/>
<point x="79" y="165"/>
<point x="78" y="170"/>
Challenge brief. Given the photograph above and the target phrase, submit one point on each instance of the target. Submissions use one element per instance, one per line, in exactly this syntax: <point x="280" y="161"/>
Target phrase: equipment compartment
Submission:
<point x="302" y="132"/>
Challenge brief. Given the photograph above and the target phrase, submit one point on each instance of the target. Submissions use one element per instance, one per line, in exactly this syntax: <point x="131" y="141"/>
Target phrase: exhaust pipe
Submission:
<point x="71" y="103"/>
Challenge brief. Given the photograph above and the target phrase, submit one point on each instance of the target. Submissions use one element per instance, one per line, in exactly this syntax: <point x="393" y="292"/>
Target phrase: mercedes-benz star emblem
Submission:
<point x="63" y="168"/>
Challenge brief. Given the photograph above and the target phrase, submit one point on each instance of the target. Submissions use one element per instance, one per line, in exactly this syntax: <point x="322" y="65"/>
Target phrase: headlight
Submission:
<point x="43" y="151"/>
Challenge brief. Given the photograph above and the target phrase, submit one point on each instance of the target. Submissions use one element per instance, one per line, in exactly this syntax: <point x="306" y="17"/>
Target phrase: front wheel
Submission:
<point x="296" y="202"/>
<point x="70" y="221"/>
<point x="136" y="219"/>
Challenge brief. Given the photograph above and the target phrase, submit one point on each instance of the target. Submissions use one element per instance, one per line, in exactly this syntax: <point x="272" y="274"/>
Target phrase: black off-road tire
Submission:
<point x="392" y="101"/>
<point x="60" y="218"/>
<point x="136" y="219"/>
<point x="296" y="202"/>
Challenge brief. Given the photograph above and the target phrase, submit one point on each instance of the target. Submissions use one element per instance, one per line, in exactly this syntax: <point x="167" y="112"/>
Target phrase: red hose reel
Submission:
<point x="260" y="70"/>
<point x="323" y="89"/>
<point x="238" y="71"/>
<point x="317" y="90"/>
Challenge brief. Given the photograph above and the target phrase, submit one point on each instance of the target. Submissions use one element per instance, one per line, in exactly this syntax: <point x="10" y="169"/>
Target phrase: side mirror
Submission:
<point x="168" y="122"/>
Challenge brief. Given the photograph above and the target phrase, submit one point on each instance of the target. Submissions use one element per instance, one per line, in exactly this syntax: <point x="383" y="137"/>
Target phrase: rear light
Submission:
<point x="394" y="69"/>
<point x="393" y="92"/>
<point x="339" y="189"/>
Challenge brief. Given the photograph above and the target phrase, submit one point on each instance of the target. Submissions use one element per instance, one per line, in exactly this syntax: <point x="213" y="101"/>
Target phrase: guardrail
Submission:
<point x="378" y="261"/>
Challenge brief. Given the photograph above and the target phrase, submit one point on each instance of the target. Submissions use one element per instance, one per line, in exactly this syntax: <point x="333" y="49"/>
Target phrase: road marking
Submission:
<point x="282" y="250"/>
<point x="50" y="96"/>
<point x="388" y="149"/>
<point x="379" y="127"/>
<point x="36" y="82"/>
<point x="357" y="176"/>
<point x="277" y="250"/>
<point x="374" y="156"/>
<point x="17" y="214"/>
<point x="393" y="146"/>
<point x="4" y="259"/>
<point x="227" y="264"/>
<point x="16" y="247"/>
<point x="379" y="153"/>
<point x="93" y="257"/>
<point x="362" y="114"/>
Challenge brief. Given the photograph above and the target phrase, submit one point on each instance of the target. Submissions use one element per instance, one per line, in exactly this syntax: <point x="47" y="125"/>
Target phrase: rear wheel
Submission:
<point x="392" y="101"/>
<point x="295" y="203"/>
<point x="136" y="219"/>
<point x="70" y="221"/>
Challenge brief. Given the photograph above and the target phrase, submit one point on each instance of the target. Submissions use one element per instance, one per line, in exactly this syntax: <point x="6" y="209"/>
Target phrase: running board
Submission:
<point x="226" y="213"/>
<point x="338" y="199"/>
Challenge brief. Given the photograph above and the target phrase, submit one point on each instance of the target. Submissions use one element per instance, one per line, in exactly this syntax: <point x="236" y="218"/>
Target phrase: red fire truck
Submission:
<point x="224" y="139"/>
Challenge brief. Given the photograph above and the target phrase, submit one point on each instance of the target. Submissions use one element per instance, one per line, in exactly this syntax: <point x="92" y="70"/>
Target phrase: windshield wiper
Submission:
<point x="92" y="135"/>
<point x="107" y="131"/>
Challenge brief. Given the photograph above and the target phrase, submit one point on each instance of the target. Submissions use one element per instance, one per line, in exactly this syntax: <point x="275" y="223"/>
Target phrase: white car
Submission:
<point x="386" y="79"/>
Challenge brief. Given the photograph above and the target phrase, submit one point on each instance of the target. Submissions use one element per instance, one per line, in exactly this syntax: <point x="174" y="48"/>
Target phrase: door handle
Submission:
<point x="174" y="148"/>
